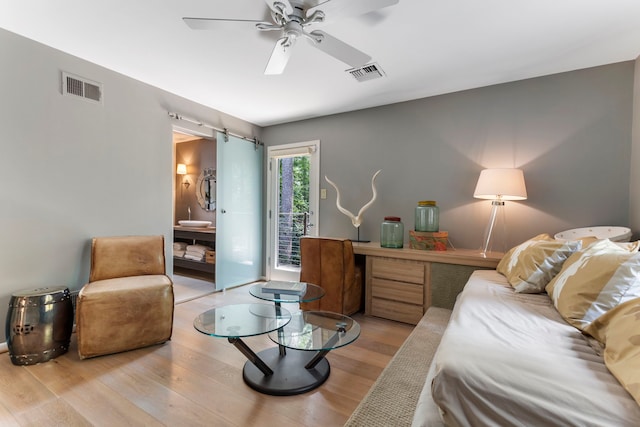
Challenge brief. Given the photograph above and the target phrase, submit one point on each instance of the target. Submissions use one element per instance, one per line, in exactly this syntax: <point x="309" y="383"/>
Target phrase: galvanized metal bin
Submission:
<point x="39" y="324"/>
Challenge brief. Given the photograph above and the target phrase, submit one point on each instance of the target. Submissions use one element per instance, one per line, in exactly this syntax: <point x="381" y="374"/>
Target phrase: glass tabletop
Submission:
<point x="317" y="330"/>
<point x="241" y="320"/>
<point x="312" y="293"/>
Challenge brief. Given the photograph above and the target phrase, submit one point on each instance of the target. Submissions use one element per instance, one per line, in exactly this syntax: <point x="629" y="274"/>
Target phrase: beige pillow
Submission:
<point x="630" y="246"/>
<point x="619" y="331"/>
<point x="595" y="280"/>
<point x="531" y="265"/>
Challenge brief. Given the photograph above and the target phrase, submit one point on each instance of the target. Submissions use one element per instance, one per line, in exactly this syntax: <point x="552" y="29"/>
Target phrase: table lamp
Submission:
<point x="498" y="185"/>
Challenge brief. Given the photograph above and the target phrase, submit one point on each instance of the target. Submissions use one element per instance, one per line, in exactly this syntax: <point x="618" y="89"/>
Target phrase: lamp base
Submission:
<point x="495" y="235"/>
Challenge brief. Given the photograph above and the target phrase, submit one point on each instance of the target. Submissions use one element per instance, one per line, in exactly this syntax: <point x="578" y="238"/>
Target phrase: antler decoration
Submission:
<point x="355" y="220"/>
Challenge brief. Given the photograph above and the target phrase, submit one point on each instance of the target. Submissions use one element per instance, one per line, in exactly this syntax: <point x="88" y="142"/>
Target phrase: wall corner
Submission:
<point x="634" y="175"/>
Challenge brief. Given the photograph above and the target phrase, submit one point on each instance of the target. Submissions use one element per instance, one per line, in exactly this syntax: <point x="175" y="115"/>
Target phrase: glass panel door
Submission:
<point x="293" y="205"/>
<point x="239" y="214"/>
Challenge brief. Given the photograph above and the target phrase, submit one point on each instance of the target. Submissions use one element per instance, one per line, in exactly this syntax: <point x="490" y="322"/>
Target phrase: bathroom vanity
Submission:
<point x="193" y="235"/>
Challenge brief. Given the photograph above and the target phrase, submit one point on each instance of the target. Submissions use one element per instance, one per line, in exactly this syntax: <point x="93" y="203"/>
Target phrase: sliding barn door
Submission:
<point x="239" y="212"/>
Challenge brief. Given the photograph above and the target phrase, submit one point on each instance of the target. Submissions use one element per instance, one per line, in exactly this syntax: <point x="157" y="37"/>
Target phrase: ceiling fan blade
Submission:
<point x="215" y="23"/>
<point x="347" y="8"/>
<point x="279" y="57"/>
<point x="338" y="49"/>
<point x="287" y="6"/>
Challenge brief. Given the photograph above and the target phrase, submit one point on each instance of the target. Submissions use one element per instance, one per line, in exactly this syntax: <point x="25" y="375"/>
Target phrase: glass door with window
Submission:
<point x="293" y="205"/>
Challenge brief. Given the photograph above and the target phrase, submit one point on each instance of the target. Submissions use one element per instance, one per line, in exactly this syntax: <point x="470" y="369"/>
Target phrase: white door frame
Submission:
<point x="274" y="152"/>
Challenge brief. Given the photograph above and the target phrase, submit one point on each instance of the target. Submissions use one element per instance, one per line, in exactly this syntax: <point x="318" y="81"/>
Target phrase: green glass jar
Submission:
<point x="427" y="216"/>
<point x="392" y="232"/>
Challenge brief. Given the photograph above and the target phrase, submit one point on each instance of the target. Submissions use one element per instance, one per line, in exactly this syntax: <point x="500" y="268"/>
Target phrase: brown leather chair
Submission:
<point x="330" y="264"/>
<point x="128" y="302"/>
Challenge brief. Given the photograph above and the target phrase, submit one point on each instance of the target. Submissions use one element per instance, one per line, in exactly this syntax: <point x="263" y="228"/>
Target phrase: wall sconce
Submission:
<point x="182" y="170"/>
<point x="499" y="185"/>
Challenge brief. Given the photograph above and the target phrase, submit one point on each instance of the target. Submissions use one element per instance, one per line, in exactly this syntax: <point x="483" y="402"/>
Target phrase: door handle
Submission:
<point x="223" y="211"/>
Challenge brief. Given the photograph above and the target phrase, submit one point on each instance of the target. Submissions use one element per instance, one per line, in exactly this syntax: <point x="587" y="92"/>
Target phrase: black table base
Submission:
<point x="289" y="376"/>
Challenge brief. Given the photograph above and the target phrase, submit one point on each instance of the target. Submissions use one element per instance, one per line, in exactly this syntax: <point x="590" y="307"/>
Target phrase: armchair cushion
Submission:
<point x="126" y="256"/>
<point x="116" y="315"/>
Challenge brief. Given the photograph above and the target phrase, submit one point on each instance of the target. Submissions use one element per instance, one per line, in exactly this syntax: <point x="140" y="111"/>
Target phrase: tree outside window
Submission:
<point x="293" y="207"/>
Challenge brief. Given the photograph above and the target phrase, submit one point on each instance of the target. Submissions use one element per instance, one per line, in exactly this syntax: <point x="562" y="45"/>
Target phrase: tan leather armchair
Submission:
<point x="128" y="302"/>
<point x="330" y="264"/>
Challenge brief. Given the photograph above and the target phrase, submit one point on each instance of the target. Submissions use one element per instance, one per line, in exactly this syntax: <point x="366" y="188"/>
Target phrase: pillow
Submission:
<point x="630" y="246"/>
<point x="619" y="331"/>
<point x="531" y="265"/>
<point x="595" y="280"/>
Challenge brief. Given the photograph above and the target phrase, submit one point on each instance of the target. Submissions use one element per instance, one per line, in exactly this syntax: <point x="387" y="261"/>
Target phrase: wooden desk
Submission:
<point x="400" y="284"/>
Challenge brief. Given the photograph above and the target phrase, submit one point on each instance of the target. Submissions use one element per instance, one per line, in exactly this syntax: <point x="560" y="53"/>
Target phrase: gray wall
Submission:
<point x="634" y="181"/>
<point x="71" y="170"/>
<point x="570" y="133"/>
<point x="196" y="155"/>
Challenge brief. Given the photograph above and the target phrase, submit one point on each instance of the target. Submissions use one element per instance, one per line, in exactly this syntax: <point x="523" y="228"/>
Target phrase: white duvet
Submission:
<point x="509" y="359"/>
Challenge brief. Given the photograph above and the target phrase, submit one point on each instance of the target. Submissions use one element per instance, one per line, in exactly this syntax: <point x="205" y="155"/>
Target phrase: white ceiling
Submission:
<point x="425" y="47"/>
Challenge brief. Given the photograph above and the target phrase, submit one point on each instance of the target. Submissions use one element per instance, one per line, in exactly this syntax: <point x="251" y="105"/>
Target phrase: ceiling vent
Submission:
<point x="366" y="72"/>
<point x="79" y="86"/>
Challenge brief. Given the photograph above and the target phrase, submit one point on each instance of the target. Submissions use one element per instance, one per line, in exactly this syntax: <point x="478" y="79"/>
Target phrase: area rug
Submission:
<point x="392" y="399"/>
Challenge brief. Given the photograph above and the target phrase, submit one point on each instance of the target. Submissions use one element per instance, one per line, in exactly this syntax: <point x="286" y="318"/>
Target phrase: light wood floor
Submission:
<point x="192" y="380"/>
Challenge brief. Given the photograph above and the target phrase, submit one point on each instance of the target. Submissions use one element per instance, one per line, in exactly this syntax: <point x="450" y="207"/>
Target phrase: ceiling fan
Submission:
<point x="292" y="17"/>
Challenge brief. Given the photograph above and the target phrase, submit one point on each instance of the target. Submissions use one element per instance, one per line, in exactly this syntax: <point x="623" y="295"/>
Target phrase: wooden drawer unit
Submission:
<point x="402" y="312"/>
<point x="396" y="289"/>
<point x="399" y="270"/>
<point x="402" y="283"/>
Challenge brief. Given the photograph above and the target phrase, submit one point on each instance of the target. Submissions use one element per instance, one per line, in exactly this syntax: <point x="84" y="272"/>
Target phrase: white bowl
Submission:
<point x="615" y="234"/>
<point x="194" y="223"/>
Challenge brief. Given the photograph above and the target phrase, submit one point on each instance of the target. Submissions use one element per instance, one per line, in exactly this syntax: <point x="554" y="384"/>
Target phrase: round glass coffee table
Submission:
<point x="298" y="364"/>
<point x="237" y="321"/>
<point x="312" y="293"/>
<point x="308" y="337"/>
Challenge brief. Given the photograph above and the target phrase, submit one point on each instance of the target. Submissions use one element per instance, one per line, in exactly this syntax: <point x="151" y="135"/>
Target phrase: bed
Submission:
<point x="510" y="358"/>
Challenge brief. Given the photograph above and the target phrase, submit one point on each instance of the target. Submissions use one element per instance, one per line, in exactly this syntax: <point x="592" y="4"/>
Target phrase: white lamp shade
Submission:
<point x="505" y="184"/>
<point x="181" y="169"/>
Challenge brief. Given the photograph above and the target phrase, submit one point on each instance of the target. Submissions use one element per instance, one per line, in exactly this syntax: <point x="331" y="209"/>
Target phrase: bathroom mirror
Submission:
<point x="206" y="189"/>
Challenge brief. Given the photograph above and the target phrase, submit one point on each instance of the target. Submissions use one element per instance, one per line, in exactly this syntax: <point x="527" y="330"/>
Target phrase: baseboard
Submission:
<point x="3" y="347"/>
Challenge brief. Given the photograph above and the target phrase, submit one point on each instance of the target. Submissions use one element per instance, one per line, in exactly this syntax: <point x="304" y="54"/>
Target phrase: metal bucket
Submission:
<point x="39" y="325"/>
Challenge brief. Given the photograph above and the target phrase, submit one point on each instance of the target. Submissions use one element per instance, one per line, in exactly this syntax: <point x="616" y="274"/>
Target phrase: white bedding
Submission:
<point x="509" y="359"/>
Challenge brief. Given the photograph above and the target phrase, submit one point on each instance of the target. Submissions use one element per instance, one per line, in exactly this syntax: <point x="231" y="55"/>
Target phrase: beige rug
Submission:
<point x="392" y="399"/>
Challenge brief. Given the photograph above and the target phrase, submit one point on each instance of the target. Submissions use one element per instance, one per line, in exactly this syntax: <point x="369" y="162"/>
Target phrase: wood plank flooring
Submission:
<point x="192" y="380"/>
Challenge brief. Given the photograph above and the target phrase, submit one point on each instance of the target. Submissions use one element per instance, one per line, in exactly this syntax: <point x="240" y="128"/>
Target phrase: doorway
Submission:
<point x="192" y="278"/>
<point x="292" y="188"/>
<point x="232" y="242"/>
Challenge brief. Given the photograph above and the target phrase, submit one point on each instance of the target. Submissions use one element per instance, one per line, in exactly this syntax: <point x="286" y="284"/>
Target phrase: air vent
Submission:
<point x="79" y="86"/>
<point x="366" y="72"/>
